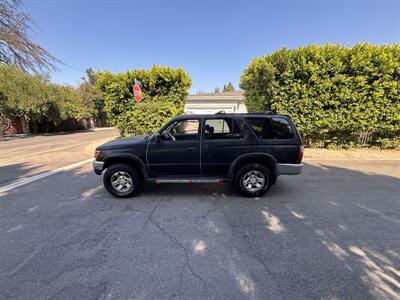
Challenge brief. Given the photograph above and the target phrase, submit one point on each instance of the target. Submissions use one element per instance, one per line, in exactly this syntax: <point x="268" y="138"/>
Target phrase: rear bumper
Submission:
<point x="98" y="166"/>
<point x="289" y="169"/>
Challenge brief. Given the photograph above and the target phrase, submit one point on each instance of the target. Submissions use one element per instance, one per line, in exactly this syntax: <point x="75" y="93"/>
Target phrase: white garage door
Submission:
<point x="207" y="109"/>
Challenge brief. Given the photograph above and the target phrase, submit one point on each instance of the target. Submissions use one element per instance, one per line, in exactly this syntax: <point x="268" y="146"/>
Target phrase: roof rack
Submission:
<point x="222" y="112"/>
<point x="264" y="113"/>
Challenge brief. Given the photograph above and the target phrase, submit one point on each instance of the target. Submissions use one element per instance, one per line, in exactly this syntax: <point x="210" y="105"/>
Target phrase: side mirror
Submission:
<point x="157" y="138"/>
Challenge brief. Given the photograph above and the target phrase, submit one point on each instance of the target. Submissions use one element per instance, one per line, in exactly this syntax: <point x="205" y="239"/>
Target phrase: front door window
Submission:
<point x="184" y="130"/>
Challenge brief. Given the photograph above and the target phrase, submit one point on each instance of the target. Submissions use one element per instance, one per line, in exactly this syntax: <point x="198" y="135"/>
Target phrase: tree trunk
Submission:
<point x="3" y="124"/>
<point x="24" y="125"/>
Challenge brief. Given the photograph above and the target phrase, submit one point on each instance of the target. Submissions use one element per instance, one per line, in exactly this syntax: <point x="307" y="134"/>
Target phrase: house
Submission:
<point x="210" y="103"/>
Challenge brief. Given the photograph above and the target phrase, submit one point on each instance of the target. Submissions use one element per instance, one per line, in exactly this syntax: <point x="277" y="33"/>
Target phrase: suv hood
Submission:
<point x="124" y="143"/>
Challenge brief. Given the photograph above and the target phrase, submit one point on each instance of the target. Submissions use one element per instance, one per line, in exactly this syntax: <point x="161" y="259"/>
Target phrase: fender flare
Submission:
<point x="132" y="157"/>
<point x="256" y="155"/>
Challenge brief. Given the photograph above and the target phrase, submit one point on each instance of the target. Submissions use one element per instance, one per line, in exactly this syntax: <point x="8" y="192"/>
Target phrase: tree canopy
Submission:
<point x="35" y="99"/>
<point x="91" y="96"/>
<point x="228" y="87"/>
<point x="163" y="89"/>
<point x="331" y="92"/>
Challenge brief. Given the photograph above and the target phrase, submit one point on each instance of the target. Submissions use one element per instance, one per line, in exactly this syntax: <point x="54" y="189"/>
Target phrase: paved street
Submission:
<point x="333" y="232"/>
<point x="28" y="155"/>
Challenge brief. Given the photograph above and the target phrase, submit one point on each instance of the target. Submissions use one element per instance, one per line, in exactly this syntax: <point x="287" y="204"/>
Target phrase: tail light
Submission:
<point x="96" y="154"/>
<point x="301" y="153"/>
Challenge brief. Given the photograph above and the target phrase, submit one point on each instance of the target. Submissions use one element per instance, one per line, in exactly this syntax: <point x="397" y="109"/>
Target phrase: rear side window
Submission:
<point x="271" y="128"/>
<point x="216" y="129"/>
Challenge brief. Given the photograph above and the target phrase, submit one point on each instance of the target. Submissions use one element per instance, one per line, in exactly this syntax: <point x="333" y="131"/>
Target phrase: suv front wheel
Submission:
<point x="121" y="180"/>
<point x="253" y="180"/>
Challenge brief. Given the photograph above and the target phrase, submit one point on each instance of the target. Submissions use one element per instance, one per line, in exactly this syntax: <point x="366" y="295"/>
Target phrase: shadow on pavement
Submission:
<point x="5" y="138"/>
<point x="12" y="172"/>
<point x="329" y="233"/>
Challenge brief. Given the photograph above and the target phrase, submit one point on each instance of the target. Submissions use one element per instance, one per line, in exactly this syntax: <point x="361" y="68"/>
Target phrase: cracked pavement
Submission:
<point x="333" y="232"/>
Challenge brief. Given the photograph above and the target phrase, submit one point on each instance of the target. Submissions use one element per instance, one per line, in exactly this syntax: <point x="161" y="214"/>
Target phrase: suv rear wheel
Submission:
<point x="253" y="180"/>
<point x="122" y="181"/>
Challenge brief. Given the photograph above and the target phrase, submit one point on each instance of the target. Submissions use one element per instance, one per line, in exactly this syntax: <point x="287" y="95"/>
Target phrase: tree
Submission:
<point x="333" y="93"/>
<point x="92" y="97"/>
<point x="35" y="101"/>
<point x="164" y="90"/>
<point x="228" y="87"/>
<point x="16" y="46"/>
<point x="217" y="90"/>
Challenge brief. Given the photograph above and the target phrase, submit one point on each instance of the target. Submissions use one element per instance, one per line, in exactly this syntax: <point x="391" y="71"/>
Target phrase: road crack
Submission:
<point x="186" y="264"/>
<point x="173" y="239"/>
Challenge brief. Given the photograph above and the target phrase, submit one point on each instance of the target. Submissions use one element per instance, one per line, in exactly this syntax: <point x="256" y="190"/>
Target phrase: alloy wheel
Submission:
<point x="122" y="182"/>
<point x="253" y="181"/>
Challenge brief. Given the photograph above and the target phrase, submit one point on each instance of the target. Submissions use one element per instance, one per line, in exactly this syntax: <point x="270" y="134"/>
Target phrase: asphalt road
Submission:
<point x="332" y="232"/>
<point x="24" y="156"/>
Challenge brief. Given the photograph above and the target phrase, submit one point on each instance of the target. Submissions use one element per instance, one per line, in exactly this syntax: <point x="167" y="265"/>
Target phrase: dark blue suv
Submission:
<point x="250" y="150"/>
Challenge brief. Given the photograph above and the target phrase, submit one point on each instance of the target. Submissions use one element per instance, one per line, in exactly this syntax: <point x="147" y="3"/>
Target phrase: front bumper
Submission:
<point x="289" y="169"/>
<point x="98" y="166"/>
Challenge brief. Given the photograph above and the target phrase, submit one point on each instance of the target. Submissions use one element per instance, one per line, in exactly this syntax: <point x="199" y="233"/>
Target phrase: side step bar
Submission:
<point x="181" y="180"/>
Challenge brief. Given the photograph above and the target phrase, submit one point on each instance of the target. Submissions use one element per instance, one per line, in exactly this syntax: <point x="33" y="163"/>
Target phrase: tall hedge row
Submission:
<point x="164" y="90"/>
<point x="36" y="100"/>
<point x="333" y="93"/>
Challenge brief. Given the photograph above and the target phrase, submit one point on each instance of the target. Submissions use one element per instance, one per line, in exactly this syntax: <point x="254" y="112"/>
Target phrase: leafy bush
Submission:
<point x="333" y="93"/>
<point x="386" y="143"/>
<point x="35" y="99"/>
<point x="164" y="90"/>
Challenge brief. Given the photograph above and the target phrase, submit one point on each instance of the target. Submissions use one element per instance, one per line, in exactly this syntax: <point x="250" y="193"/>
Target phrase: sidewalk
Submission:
<point x="311" y="154"/>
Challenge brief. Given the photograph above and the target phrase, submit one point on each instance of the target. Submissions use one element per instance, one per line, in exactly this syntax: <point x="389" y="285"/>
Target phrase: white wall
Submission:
<point x="212" y="104"/>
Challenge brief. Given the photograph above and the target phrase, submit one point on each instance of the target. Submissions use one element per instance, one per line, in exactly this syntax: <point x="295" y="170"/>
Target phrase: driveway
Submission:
<point x="333" y="232"/>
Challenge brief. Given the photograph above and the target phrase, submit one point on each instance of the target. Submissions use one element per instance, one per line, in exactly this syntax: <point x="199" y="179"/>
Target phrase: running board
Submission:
<point x="186" y="180"/>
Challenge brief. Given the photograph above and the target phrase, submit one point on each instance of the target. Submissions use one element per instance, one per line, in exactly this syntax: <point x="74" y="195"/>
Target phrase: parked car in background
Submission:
<point x="249" y="150"/>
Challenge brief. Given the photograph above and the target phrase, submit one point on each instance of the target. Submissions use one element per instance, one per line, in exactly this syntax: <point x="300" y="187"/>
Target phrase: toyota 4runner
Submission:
<point x="249" y="150"/>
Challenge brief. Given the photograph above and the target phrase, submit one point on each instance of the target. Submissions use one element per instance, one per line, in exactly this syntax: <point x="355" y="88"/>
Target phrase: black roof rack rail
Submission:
<point x="221" y="112"/>
<point x="263" y="113"/>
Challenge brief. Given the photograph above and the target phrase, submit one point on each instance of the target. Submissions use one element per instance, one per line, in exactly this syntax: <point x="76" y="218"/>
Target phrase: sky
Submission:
<point x="213" y="40"/>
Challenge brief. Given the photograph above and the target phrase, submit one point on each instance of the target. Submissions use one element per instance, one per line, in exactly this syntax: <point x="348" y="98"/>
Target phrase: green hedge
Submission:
<point x="333" y="93"/>
<point x="164" y="90"/>
<point x="37" y="100"/>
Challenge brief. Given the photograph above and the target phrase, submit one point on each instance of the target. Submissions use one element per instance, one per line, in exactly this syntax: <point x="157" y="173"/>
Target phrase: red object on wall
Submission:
<point x="137" y="92"/>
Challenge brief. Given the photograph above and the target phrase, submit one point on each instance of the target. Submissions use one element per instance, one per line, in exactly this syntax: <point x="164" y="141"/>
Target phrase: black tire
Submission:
<point x="253" y="190"/>
<point x="122" y="172"/>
